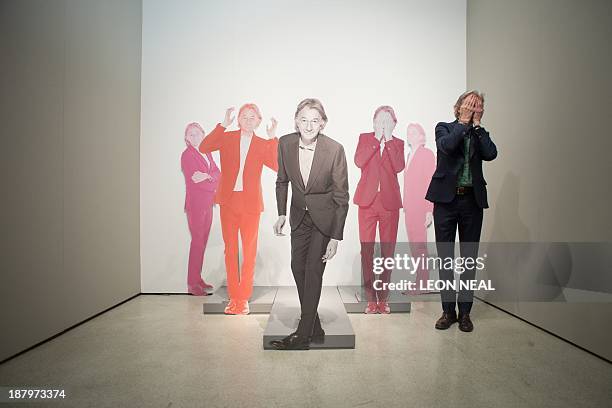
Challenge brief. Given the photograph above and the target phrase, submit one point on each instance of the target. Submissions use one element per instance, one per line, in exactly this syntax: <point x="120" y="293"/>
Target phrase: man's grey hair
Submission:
<point x="311" y="103"/>
<point x="465" y="95"/>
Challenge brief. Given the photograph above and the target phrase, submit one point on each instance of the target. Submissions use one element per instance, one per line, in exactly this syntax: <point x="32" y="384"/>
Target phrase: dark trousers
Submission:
<point x="464" y="213"/>
<point x="308" y="245"/>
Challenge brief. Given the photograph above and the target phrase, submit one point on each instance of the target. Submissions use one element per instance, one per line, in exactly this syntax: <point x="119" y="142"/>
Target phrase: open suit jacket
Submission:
<point x="326" y="195"/>
<point x="449" y="141"/>
<point x="261" y="152"/>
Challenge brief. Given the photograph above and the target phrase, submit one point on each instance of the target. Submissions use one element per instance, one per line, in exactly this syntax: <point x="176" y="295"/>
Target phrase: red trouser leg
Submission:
<point x="387" y="230"/>
<point x="368" y="218"/>
<point x="387" y="221"/>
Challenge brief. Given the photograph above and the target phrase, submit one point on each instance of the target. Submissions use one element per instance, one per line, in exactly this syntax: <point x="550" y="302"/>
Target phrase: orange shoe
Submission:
<point x="242" y="307"/>
<point x="230" y="309"/>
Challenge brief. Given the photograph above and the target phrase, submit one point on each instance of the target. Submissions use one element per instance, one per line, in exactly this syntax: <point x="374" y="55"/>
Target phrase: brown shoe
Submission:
<point x="465" y="324"/>
<point x="446" y="321"/>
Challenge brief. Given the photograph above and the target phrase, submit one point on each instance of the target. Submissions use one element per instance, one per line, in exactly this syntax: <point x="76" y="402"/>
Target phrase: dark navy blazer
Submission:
<point x="449" y="141"/>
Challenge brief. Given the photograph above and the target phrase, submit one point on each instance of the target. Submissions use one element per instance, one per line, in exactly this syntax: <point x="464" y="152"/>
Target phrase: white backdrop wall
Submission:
<point x="198" y="58"/>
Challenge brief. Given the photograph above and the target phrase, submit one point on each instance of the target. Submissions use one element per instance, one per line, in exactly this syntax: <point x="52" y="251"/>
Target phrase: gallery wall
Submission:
<point x="92" y="183"/>
<point x="198" y="58"/>
<point x="545" y="67"/>
<point x="69" y="109"/>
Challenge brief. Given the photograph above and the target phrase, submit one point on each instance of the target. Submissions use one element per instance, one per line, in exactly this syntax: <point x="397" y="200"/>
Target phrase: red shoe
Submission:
<point x="383" y="307"/>
<point x="372" y="308"/>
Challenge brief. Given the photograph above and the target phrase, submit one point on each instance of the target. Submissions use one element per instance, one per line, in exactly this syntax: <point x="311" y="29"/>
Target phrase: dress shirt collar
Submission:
<point x="310" y="147"/>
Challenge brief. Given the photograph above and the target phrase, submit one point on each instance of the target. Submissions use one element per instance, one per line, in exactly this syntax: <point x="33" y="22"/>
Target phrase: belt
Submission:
<point x="463" y="190"/>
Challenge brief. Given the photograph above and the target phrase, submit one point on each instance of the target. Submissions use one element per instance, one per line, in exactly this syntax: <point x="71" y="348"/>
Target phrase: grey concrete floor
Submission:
<point x="161" y="351"/>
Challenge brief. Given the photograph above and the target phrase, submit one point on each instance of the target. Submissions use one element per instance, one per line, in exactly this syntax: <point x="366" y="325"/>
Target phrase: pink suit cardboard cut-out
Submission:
<point x="201" y="180"/>
<point x="420" y="167"/>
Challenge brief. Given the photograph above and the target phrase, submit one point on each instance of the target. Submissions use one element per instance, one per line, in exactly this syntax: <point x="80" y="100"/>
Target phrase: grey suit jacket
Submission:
<point x="326" y="194"/>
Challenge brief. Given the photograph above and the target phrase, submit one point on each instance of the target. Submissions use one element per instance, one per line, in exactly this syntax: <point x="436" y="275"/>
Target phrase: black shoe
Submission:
<point x="318" y="336"/>
<point x="446" y="321"/>
<point x="465" y="324"/>
<point x="293" y="341"/>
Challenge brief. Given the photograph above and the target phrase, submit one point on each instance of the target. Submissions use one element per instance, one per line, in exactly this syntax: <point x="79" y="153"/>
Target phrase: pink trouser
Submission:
<point x="387" y="221"/>
<point x="417" y="239"/>
<point x="200" y="220"/>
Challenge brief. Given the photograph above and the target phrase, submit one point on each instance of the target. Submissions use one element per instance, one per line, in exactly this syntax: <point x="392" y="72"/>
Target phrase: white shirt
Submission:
<point x="306" y="154"/>
<point x="245" y="143"/>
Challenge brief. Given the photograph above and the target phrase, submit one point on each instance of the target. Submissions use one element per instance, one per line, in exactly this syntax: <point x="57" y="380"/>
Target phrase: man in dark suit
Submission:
<point x="316" y="167"/>
<point x="458" y="192"/>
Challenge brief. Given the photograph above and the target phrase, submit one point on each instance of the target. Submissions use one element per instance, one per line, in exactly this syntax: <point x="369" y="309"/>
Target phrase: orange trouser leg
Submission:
<point x="229" y="227"/>
<point x="249" y="231"/>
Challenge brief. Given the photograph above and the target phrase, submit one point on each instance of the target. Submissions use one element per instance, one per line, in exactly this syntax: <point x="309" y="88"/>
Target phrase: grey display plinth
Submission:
<point x="355" y="301"/>
<point x="285" y="314"/>
<point x="350" y="300"/>
<point x="261" y="300"/>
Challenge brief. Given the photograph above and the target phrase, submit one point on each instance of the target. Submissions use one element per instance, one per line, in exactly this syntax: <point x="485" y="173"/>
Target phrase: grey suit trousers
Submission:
<point x="308" y="245"/>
